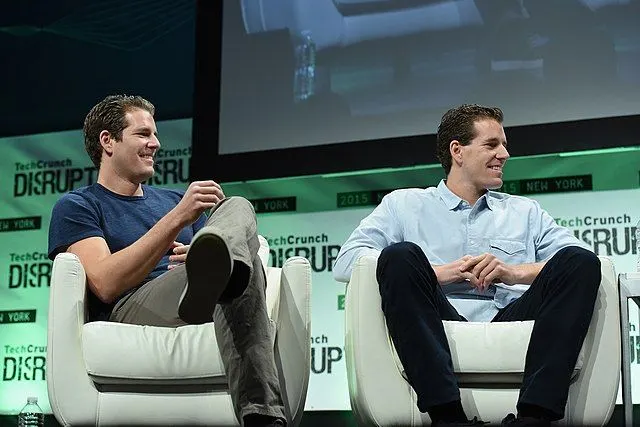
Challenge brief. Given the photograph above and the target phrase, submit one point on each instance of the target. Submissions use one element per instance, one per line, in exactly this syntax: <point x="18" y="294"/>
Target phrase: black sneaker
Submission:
<point x="513" y="421"/>
<point x="474" y="422"/>
<point x="209" y="265"/>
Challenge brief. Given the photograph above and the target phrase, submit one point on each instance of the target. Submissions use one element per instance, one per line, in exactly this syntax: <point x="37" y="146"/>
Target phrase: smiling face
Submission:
<point x="132" y="158"/>
<point x="480" y="163"/>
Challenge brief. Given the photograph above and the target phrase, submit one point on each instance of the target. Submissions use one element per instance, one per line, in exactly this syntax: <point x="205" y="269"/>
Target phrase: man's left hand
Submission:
<point x="489" y="269"/>
<point x="179" y="254"/>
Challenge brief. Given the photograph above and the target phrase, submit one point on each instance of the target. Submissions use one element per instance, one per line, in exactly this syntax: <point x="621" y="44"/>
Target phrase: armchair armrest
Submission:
<point x="293" y="336"/>
<point x="601" y="356"/>
<point x="65" y="365"/>
<point x="368" y="348"/>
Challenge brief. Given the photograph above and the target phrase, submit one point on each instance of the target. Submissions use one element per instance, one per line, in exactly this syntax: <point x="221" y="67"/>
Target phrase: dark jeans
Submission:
<point x="560" y="300"/>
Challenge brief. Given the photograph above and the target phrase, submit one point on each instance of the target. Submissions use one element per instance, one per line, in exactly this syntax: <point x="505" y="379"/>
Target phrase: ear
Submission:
<point x="106" y="141"/>
<point x="455" y="148"/>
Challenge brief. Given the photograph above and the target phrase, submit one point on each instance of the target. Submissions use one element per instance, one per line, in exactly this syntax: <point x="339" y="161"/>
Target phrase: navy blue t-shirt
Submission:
<point x="95" y="211"/>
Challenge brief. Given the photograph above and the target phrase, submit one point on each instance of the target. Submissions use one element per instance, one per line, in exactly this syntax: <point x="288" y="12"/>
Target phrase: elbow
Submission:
<point x="101" y="291"/>
<point x="342" y="278"/>
<point x="340" y="274"/>
<point x="341" y="270"/>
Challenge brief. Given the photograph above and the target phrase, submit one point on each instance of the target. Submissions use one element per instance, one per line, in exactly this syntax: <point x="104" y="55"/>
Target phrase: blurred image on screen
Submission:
<point x="301" y="73"/>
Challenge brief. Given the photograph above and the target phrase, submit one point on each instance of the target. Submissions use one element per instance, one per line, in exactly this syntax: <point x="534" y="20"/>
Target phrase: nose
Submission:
<point x="503" y="153"/>
<point x="154" y="142"/>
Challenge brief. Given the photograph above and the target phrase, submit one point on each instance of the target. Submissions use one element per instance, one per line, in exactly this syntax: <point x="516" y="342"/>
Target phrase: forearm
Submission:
<point x="446" y="274"/>
<point x="127" y="268"/>
<point x="527" y="273"/>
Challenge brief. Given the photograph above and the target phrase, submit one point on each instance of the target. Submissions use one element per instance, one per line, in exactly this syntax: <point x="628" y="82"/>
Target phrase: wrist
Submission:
<point x="525" y="273"/>
<point x="443" y="275"/>
<point x="438" y="270"/>
<point x="175" y="220"/>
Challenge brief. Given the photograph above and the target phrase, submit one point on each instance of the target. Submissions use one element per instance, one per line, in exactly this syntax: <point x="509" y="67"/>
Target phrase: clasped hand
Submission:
<point x="480" y="271"/>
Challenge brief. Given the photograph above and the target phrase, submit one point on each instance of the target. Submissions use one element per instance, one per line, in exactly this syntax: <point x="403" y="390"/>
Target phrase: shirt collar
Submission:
<point x="489" y="198"/>
<point x="452" y="201"/>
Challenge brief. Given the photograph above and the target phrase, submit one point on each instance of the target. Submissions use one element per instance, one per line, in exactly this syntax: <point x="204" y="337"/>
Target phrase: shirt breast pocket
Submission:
<point x="509" y="251"/>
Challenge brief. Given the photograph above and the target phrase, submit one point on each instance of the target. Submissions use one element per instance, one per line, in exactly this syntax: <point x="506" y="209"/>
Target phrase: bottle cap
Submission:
<point x="32" y="400"/>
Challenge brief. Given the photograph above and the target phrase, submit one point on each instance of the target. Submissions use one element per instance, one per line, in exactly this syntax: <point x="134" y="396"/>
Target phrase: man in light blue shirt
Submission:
<point x="461" y="251"/>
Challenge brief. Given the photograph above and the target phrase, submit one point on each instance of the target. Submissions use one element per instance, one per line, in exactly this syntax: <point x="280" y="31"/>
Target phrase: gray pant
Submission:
<point x="241" y="324"/>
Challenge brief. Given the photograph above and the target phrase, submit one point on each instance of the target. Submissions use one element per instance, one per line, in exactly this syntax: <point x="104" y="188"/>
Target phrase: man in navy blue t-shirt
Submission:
<point x="133" y="241"/>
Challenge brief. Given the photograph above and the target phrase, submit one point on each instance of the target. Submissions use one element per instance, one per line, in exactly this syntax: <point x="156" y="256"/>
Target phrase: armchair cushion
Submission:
<point x="117" y="353"/>
<point x="499" y="351"/>
<point x="155" y="355"/>
<point x="151" y="354"/>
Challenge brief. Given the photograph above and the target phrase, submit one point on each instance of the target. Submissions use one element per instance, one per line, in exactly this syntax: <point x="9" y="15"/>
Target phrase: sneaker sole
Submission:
<point x="209" y="267"/>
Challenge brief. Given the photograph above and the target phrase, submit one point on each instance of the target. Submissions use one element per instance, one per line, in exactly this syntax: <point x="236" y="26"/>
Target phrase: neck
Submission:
<point x="463" y="188"/>
<point x="118" y="184"/>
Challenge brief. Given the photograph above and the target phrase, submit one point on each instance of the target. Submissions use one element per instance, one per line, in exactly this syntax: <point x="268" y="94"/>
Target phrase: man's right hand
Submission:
<point x="451" y="273"/>
<point x="200" y="196"/>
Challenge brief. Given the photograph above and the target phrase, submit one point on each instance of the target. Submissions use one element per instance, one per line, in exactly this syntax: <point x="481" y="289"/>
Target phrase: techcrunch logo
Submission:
<point x="28" y="256"/>
<point x="29" y="270"/>
<point x="607" y="235"/>
<point x="170" y="153"/>
<point x="41" y="177"/>
<point x="298" y="240"/>
<point x="43" y="164"/>
<point x="589" y="220"/>
<point x="24" y="349"/>
<point x="52" y="181"/>
<point x="24" y="362"/>
<point x="321" y="256"/>
<point x="609" y="241"/>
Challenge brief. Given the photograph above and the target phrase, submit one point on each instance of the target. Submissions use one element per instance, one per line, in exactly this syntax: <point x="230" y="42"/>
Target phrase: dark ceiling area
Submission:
<point x="61" y="57"/>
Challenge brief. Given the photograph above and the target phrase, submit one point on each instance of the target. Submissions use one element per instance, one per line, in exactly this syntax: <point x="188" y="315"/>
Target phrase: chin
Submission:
<point x="494" y="184"/>
<point x="142" y="177"/>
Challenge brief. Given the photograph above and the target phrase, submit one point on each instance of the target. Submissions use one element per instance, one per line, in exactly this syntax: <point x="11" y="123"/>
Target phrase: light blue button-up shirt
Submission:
<point x="515" y="229"/>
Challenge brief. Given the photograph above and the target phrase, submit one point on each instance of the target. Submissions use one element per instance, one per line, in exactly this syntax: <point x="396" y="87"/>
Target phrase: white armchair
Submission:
<point x="488" y="359"/>
<point x="106" y="373"/>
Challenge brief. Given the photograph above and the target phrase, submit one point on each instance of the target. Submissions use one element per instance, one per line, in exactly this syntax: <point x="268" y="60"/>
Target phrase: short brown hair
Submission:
<point x="110" y="115"/>
<point x="458" y="123"/>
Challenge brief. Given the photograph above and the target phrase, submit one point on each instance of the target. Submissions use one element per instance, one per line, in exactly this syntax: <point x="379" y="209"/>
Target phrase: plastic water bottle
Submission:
<point x="31" y="415"/>
<point x="305" y="65"/>
<point x="638" y="247"/>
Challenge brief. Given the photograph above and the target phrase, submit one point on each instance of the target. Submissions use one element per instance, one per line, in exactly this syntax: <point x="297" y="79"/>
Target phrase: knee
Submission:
<point x="580" y="256"/>
<point x="239" y="206"/>
<point x="399" y="252"/>
<point x="398" y="263"/>
<point x="239" y="202"/>
<point x="582" y="261"/>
